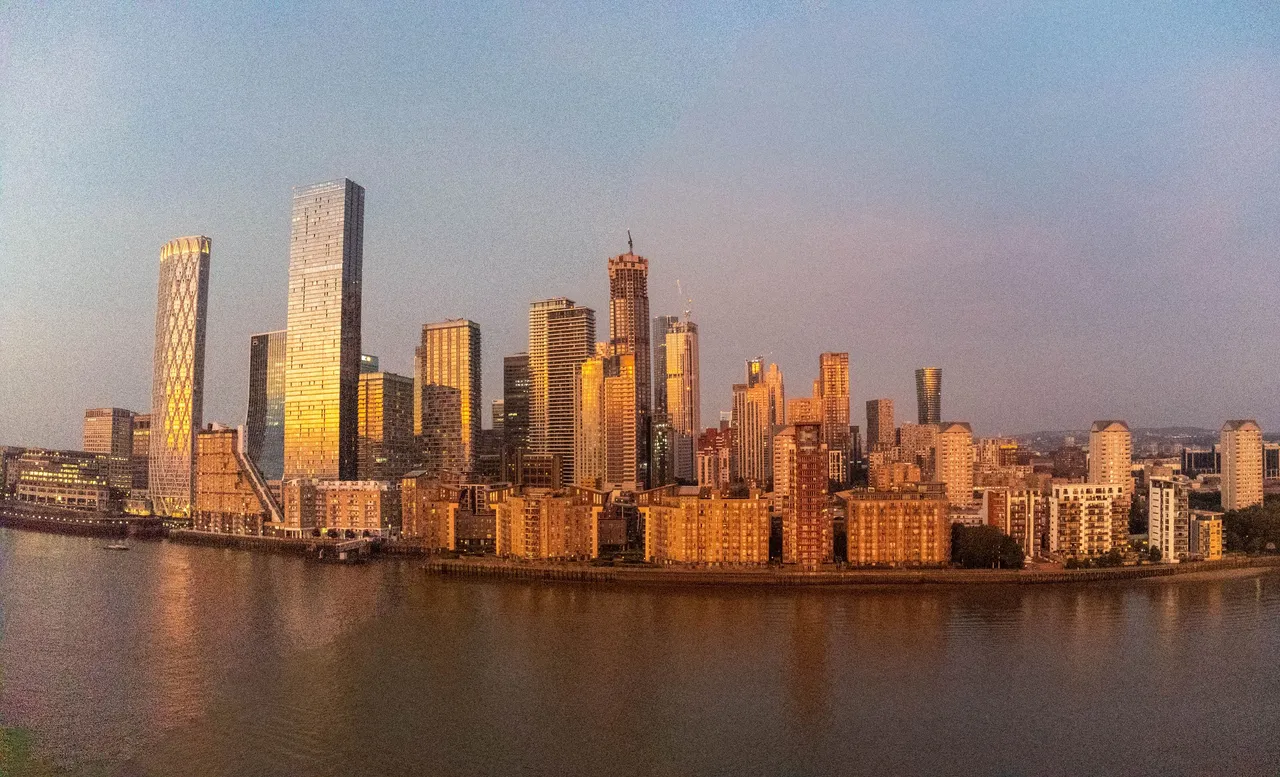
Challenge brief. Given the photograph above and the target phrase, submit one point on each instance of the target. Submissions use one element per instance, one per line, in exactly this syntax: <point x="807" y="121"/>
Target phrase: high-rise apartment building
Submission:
<point x="1088" y="519"/>
<point x="832" y="388"/>
<point x="265" y="424"/>
<point x="449" y="358"/>
<point x="231" y="497"/>
<point x="387" y="447"/>
<point x="1240" y="449"/>
<point x="714" y="454"/>
<point x="562" y="336"/>
<point x="623" y="425"/>
<point x="1169" y="517"/>
<point x="108" y="431"/>
<point x="177" y="386"/>
<point x="629" y="329"/>
<point x="918" y="444"/>
<point x="683" y="397"/>
<point x="515" y="402"/>
<point x="929" y="395"/>
<point x="752" y="435"/>
<point x="955" y="462"/>
<point x="322" y="352"/>
<point x="588" y="414"/>
<point x="881" y="432"/>
<point x="661" y="325"/>
<point x="1111" y="454"/>
<point x="806" y="524"/>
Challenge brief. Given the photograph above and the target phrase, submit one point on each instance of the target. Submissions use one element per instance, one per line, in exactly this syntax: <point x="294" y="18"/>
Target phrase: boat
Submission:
<point x="115" y="546"/>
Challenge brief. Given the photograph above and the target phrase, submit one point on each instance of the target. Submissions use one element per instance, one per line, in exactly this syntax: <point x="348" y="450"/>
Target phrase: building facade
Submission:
<point x="832" y="390"/>
<point x="322" y="351"/>
<point x="1169" y="517"/>
<point x="1111" y="454"/>
<point x="449" y="356"/>
<point x="177" y="386"/>
<point x="629" y="332"/>
<point x="701" y="527"/>
<point x="515" y="403"/>
<point x="265" y="423"/>
<point x="1088" y="519"/>
<point x="108" y="431"/>
<point x="230" y="497"/>
<point x="76" y="479"/>
<point x="955" y="462"/>
<point x="1240" y="448"/>
<point x="682" y="397"/>
<point x="909" y="527"/>
<point x="806" y="523"/>
<point x="881" y="432"/>
<point x="929" y="395"/>
<point x="387" y="447"/>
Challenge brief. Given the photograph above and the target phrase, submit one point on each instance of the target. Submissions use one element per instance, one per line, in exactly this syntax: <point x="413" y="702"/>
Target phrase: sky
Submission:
<point x="1070" y="208"/>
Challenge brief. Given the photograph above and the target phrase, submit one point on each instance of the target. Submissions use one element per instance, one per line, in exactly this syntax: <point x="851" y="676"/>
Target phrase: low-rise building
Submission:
<point x="1088" y="519"/>
<point x="541" y="524"/>
<point x="1206" y="538"/>
<point x="74" y="479"/>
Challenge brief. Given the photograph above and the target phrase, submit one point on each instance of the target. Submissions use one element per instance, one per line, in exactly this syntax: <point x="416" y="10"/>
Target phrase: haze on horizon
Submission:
<point x="1072" y="211"/>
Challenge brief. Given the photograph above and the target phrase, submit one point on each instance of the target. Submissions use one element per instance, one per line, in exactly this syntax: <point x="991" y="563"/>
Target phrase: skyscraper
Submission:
<point x="387" y="449"/>
<point x="759" y="412"/>
<point x="623" y="425"/>
<point x="588" y="414"/>
<point x="1240" y="446"/>
<point x="515" y="404"/>
<point x="833" y="390"/>
<point x="449" y="356"/>
<point x="265" y="425"/>
<point x="629" y="333"/>
<point x="141" y="455"/>
<point x="683" y="397"/>
<point x="661" y="325"/>
<point x="1111" y="454"/>
<point x="929" y="395"/>
<point x="562" y="336"/>
<point x="880" y="425"/>
<point x="322" y="355"/>
<point x="109" y="431"/>
<point x="806" y="523"/>
<point x="955" y="462"/>
<point x="177" y="385"/>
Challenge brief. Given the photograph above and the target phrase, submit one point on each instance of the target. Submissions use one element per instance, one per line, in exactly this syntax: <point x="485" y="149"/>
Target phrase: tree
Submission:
<point x="1252" y="529"/>
<point x="984" y="547"/>
<point x="1155" y="554"/>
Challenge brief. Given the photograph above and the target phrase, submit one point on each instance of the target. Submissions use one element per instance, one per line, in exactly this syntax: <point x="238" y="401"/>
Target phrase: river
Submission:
<point x="174" y="659"/>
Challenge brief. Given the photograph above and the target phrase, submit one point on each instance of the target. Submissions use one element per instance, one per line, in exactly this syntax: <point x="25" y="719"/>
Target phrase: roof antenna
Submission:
<point x="631" y="247"/>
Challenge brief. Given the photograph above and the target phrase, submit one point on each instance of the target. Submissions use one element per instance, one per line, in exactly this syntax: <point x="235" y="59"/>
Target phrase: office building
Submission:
<point x="565" y="339"/>
<point x="75" y="479"/>
<point x="955" y="462"/>
<point x="231" y="497"/>
<point x="177" y="386"/>
<point x="683" y="397"/>
<point x="448" y="358"/>
<point x="1169" y="517"/>
<point x="265" y="423"/>
<point x="929" y="395"/>
<point x="806" y="524"/>
<point x="1111" y="454"/>
<point x="909" y="527"/>
<point x="1240" y="448"/>
<point x="881" y="432"/>
<point x="141" y="457"/>
<point x="661" y="325"/>
<point x="387" y="446"/>
<point x="322" y="352"/>
<point x="498" y="416"/>
<point x="515" y="403"/>
<point x="108" y="431"/>
<point x="368" y="363"/>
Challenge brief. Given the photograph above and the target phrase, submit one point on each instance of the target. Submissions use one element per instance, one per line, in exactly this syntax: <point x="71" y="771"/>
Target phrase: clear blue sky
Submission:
<point x="1071" y="208"/>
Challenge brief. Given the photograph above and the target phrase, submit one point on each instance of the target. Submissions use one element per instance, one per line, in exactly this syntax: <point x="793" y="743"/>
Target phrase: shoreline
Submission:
<point x="490" y="568"/>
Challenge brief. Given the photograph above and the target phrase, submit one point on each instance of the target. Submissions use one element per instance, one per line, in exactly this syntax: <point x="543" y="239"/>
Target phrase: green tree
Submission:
<point x="984" y="547"/>
<point x="1254" y="529"/>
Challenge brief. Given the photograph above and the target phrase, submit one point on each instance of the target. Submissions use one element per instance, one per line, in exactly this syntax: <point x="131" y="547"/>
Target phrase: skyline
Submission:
<point x="1087" y="252"/>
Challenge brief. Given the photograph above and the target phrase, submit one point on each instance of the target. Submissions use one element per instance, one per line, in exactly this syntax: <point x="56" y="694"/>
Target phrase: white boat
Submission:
<point x="115" y="546"/>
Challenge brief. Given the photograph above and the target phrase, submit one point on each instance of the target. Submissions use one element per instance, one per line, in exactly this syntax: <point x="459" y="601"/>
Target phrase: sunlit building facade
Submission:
<point x="1169" y="517"/>
<point x="929" y="395"/>
<point x="683" y="397"/>
<point x="880" y="424"/>
<point x="449" y="356"/>
<point x="265" y="423"/>
<point x="108" y="431"/>
<point x="177" y="386"/>
<point x="1088" y="519"/>
<point x="1111" y="454"/>
<point x="806" y="523"/>
<point x="322" y="356"/>
<point x="689" y="526"/>
<point x="562" y="336"/>
<point x="629" y="332"/>
<point x="910" y="527"/>
<point x="832" y="390"/>
<point x="231" y="497"/>
<point x="1241" y="454"/>
<point x="387" y="447"/>
<point x="955" y="462"/>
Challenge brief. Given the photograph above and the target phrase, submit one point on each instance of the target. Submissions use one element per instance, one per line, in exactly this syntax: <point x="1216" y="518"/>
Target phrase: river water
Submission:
<point x="174" y="659"/>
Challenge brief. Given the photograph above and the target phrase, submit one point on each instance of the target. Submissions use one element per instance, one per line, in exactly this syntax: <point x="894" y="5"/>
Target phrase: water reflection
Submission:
<point x="226" y="662"/>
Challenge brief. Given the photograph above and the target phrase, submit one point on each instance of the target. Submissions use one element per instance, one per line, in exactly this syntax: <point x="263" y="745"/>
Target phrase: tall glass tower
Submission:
<point x="265" y="425"/>
<point x="449" y="357"/>
<point x="177" y="383"/>
<point x="929" y="394"/>
<point x="629" y="332"/>
<point x="322" y="355"/>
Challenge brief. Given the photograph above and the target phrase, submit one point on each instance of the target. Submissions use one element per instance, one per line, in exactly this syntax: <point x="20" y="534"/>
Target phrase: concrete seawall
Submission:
<point x="851" y="577"/>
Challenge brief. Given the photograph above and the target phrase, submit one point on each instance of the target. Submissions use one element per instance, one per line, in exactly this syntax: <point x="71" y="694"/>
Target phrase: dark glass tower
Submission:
<point x="265" y="424"/>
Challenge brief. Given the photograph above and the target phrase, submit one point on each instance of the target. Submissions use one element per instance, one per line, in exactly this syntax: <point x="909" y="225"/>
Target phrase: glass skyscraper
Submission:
<point x="177" y="385"/>
<point x="265" y="425"/>
<point x="629" y="332"/>
<point x="322" y="357"/>
<point x="448" y="358"/>
<point x="929" y="395"/>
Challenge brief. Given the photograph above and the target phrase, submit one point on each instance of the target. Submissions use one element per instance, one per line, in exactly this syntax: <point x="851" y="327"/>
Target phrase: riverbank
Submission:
<point x="780" y="577"/>
<point x="85" y="523"/>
